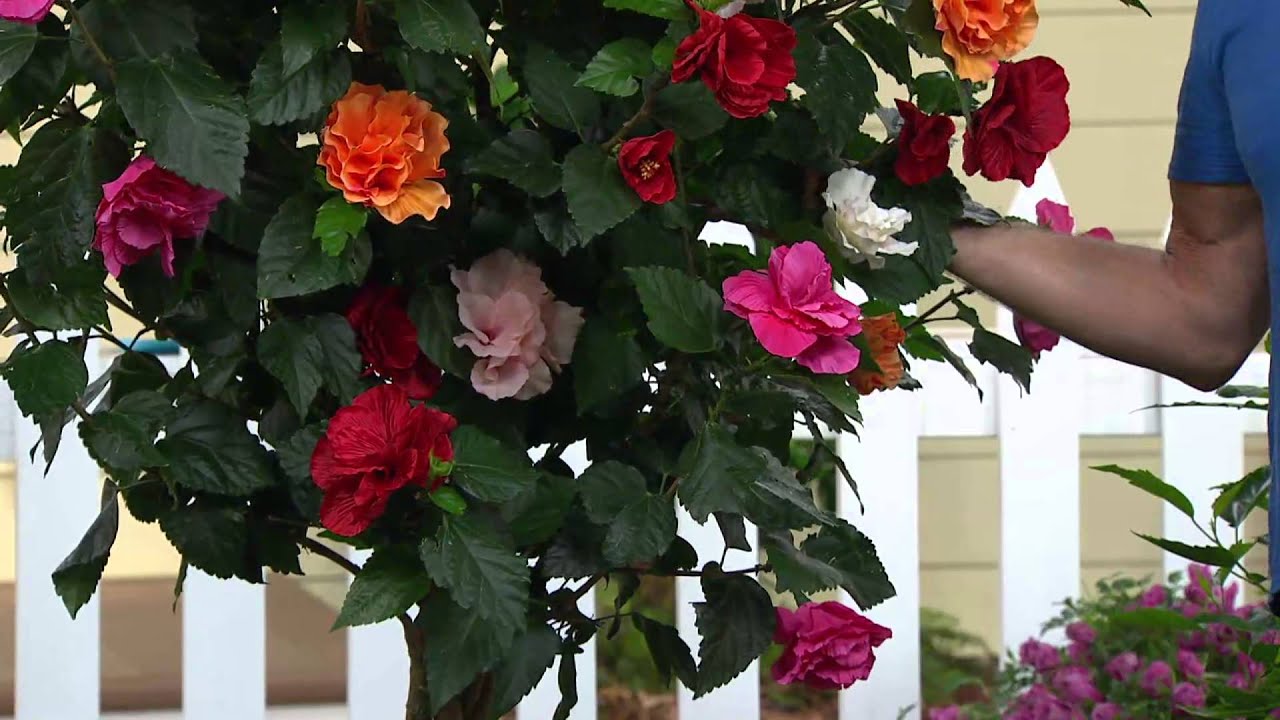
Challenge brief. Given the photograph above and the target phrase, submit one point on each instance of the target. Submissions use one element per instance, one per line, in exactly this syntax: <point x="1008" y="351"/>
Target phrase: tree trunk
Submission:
<point x="473" y="703"/>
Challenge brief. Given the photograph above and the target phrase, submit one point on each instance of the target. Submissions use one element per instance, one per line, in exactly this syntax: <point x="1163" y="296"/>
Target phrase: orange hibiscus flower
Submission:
<point x="884" y="335"/>
<point x="978" y="34"/>
<point x="382" y="149"/>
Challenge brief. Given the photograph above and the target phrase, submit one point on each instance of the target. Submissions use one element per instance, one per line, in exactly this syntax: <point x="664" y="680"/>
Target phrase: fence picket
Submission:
<point x="223" y="647"/>
<point x="1039" y="492"/>
<point x="885" y="462"/>
<point x="1201" y="448"/>
<point x="377" y="666"/>
<point x="57" y="658"/>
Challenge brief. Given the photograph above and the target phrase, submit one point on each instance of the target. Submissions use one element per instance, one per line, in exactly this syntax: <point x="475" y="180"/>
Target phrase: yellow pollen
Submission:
<point x="649" y="168"/>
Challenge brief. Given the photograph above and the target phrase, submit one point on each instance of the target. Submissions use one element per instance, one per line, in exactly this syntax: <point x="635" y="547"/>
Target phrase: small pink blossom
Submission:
<point x="1039" y="703"/>
<point x="1123" y="666"/>
<point x="25" y="11"/>
<point x="950" y="712"/>
<point x="795" y="312"/>
<point x="1040" y="656"/>
<point x="144" y="210"/>
<point x="519" y="333"/>
<point x="1075" y="684"/>
<point x="1105" y="711"/>
<point x="1035" y="337"/>
<point x="1154" y="597"/>
<point x="1082" y="632"/>
<point x="1190" y="665"/>
<point x="826" y="646"/>
<point x="1188" y="695"/>
<point x="1157" y="679"/>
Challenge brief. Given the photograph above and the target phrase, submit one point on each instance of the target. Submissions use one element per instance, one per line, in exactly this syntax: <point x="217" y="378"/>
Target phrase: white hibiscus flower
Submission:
<point x="855" y="221"/>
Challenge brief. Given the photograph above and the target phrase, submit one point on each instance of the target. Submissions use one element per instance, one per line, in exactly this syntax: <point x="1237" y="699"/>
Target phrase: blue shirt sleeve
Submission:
<point x="1204" y="147"/>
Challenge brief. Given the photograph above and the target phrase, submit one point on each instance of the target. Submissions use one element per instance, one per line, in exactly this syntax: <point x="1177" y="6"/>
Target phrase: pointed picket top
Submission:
<point x="1045" y="187"/>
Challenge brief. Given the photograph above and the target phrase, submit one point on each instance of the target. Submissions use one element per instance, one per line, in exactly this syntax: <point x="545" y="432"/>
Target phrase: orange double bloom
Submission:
<point x="979" y="34"/>
<point x="382" y="149"/>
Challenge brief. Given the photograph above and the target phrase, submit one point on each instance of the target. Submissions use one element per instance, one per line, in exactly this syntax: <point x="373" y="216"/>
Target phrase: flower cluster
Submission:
<point x="1112" y="668"/>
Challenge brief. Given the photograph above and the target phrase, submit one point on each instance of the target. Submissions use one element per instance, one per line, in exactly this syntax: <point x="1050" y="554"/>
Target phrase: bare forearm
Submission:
<point x="1140" y="305"/>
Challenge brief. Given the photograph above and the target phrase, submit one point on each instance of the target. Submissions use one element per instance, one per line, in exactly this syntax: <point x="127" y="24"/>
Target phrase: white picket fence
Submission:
<point x="1075" y="394"/>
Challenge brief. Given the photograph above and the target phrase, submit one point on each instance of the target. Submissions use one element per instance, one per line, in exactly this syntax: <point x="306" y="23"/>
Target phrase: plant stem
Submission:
<point x="641" y="115"/>
<point x="699" y="573"/>
<point x="106" y="335"/>
<point x="89" y="39"/>
<point x="951" y="297"/>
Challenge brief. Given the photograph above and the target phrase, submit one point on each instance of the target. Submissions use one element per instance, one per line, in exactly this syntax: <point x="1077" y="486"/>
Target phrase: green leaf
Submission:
<point x="641" y="532"/>
<point x="1242" y="497"/>
<point x="666" y="9"/>
<point x="557" y="228"/>
<point x="598" y="197"/>
<point x="123" y="438"/>
<point x="277" y="97"/>
<point x="210" y="449"/>
<point x="481" y="570"/>
<point x="74" y="300"/>
<point x="434" y="311"/>
<point x="295" y="458"/>
<point x="683" y="312"/>
<point x="936" y="93"/>
<point x="689" y="109"/>
<point x="567" y="681"/>
<point x="441" y="26"/>
<point x="1007" y="357"/>
<point x="748" y="194"/>
<point x="51" y="205"/>
<point x="45" y="378"/>
<point x="130" y="29"/>
<point x="736" y="622"/>
<point x="538" y="514"/>
<point x="307" y="354"/>
<point x="292" y="262"/>
<point x="213" y="538"/>
<point x="1147" y="482"/>
<point x="463" y="645"/>
<point x="920" y="21"/>
<point x="669" y="652"/>
<point x="839" y="84"/>
<point x="774" y="498"/>
<point x="607" y="488"/>
<point x="714" y="468"/>
<point x="309" y="29"/>
<point x="606" y="363"/>
<point x="551" y="83"/>
<point x="1136" y="4"/>
<point x="613" y="71"/>
<point x="76" y="579"/>
<point x="850" y="553"/>
<point x="338" y="222"/>
<point x="522" y="158"/>
<point x="795" y="572"/>
<point x="883" y="43"/>
<point x="389" y="583"/>
<point x="1213" y="555"/>
<point x="193" y="122"/>
<point x="17" y="41"/>
<point x="488" y="470"/>
<point x="524" y="665"/>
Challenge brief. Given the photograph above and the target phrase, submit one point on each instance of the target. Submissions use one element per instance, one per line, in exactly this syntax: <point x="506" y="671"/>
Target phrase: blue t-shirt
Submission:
<point x="1229" y="133"/>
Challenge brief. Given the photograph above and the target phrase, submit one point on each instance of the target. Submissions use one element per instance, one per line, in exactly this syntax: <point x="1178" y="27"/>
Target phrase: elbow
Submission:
<point x="1215" y="367"/>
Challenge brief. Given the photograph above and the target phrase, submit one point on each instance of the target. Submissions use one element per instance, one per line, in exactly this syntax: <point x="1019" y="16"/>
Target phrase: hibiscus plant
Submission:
<point x="408" y="245"/>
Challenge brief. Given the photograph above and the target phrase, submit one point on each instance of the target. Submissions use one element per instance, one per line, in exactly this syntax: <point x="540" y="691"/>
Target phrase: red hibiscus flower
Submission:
<point x="924" y="145"/>
<point x="1026" y="118"/>
<point x="372" y="448"/>
<point x="646" y="166"/>
<point x="745" y="60"/>
<point x="388" y="341"/>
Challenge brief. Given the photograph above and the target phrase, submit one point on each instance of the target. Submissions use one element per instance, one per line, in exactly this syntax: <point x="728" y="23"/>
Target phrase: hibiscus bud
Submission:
<point x="441" y="468"/>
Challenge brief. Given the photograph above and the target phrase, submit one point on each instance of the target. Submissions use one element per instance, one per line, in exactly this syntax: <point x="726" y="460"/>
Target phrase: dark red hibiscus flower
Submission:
<point x="372" y="448"/>
<point x="646" y="166"/>
<point x="388" y="341"/>
<point x="1026" y="118"/>
<point x="746" y="61"/>
<point x="924" y="145"/>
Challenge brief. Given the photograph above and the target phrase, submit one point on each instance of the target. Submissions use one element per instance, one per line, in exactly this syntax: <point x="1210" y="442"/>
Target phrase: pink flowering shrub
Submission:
<point x="1137" y="652"/>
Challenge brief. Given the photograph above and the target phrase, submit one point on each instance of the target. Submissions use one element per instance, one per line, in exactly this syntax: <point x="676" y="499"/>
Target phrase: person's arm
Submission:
<point x="1194" y="310"/>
